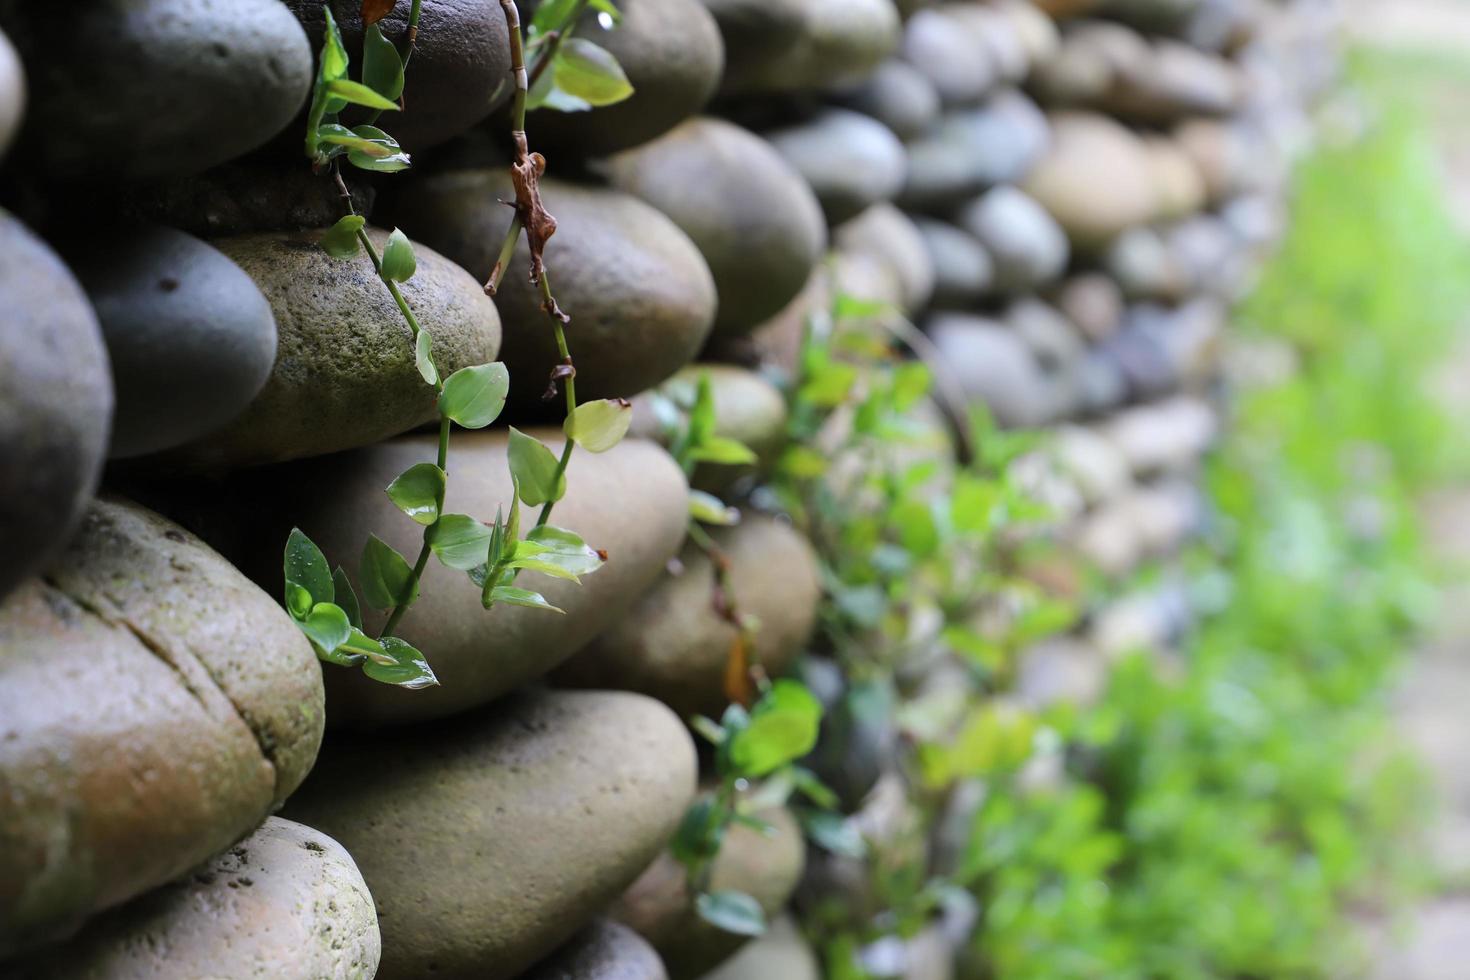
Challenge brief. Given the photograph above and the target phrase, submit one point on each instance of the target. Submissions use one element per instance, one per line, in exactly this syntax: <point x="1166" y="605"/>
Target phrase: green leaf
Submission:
<point x="345" y="597"/>
<point x="340" y="241"/>
<point x="307" y="569"/>
<point x="597" y="426"/>
<point x="326" y="626"/>
<point x="521" y="597"/>
<point x="546" y="94"/>
<point x="719" y="449"/>
<point x="298" y="601"/>
<point x="550" y="15"/>
<point x="832" y="832"/>
<point x="375" y="150"/>
<point x="590" y="73"/>
<point x="382" y="68"/>
<point x="398" y="261"/>
<point x="460" y="541"/>
<point x="566" y="549"/>
<point x="534" y="468"/>
<point x="783" y="728"/>
<point x="423" y="358"/>
<point x="512" y="523"/>
<point x="339" y="135"/>
<point x="806" y="781"/>
<point x="409" y="670"/>
<point x="334" y="52"/>
<point x="359" y="644"/>
<point x="606" y="7"/>
<point x="829" y="386"/>
<point x="419" y="492"/>
<point x="709" y="509"/>
<point x="474" y="396"/>
<point x="700" y="832"/>
<point x="387" y="580"/>
<point x="356" y="93"/>
<point x="732" y="911"/>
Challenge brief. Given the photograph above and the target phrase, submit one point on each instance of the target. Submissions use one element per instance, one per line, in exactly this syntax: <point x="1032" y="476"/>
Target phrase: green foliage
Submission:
<point x="473" y="397"/>
<point x="597" y="426"/>
<point x="536" y="471"/>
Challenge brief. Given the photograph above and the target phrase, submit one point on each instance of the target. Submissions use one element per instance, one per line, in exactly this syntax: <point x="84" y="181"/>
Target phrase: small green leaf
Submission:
<point x="340" y="241"/>
<point x="387" y="580"/>
<point x="565" y="549"/>
<point x="373" y="149"/>
<point x="534" y="468"/>
<point x="783" y="728"/>
<point x="419" y="492"/>
<point x="460" y="541"/>
<point x="474" y="396"/>
<point x="382" y="68"/>
<point x="410" y="670"/>
<point x="719" y="449"/>
<point x="700" y="832"/>
<point x="357" y="93"/>
<point x="306" y="568"/>
<point x="709" y="509"/>
<point x="521" y="597"/>
<point x="732" y="911"/>
<point x="551" y="15"/>
<point x="345" y="597"/>
<point x="590" y="73"/>
<point x="832" y="832"/>
<point x="544" y="567"/>
<point x="597" y="426"/>
<point x="361" y="645"/>
<point x="423" y="358"/>
<point x="326" y="626"/>
<point x="334" y="52"/>
<point x="606" y="7"/>
<point x="398" y="261"/>
<point x="298" y="601"/>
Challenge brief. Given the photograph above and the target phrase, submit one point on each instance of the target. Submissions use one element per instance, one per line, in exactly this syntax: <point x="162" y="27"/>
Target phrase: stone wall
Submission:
<point x="1065" y="196"/>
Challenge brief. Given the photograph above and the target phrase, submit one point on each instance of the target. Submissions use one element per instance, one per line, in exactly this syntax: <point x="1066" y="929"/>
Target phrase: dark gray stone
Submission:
<point x="974" y="149"/>
<point x="605" y="950"/>
<point x="190" y="337"/>
<point x="1028" y="248"/>
<point x="899" y="96"/>
<point x="55" y="403"/>
<point x="130" y="89"/>
<point x="963" y="271"/>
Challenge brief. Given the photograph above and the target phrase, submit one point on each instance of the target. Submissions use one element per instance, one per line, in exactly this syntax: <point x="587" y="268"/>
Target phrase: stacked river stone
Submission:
<point x="1065" y="195"/>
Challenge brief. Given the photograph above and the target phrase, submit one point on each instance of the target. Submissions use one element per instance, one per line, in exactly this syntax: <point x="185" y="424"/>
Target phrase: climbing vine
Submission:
<point x="570" y="74"/>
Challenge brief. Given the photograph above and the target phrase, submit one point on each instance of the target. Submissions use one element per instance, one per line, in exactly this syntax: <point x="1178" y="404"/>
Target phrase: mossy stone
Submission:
<point x="286" y="903"/>
<point x="154" y="703"/>
<point x="490" y="840"/>
<point x="344" y="373"/>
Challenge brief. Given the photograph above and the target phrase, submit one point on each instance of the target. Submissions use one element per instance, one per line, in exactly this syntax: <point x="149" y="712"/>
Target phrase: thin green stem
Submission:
<point x="422" y="561"/>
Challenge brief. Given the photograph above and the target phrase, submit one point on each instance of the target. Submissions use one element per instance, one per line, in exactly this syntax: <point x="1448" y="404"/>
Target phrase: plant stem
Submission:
<point x="396" y="613"/>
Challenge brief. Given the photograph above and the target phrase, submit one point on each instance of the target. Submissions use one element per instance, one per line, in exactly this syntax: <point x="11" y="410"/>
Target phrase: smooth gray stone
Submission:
<point x="55" y="403"/>
<point x="963" y="271"/>
<point x="994" y="367"/>
<point x="190" y="337"/>
<point x="1027" y="246"/>
<point x="605" y="950"/>
<point x="850" y="160"/>
<point x="899" y="96"/>
<point x="969" y="150"/>
<point x="943" y="44"/>
<point x="131" y="89"/>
